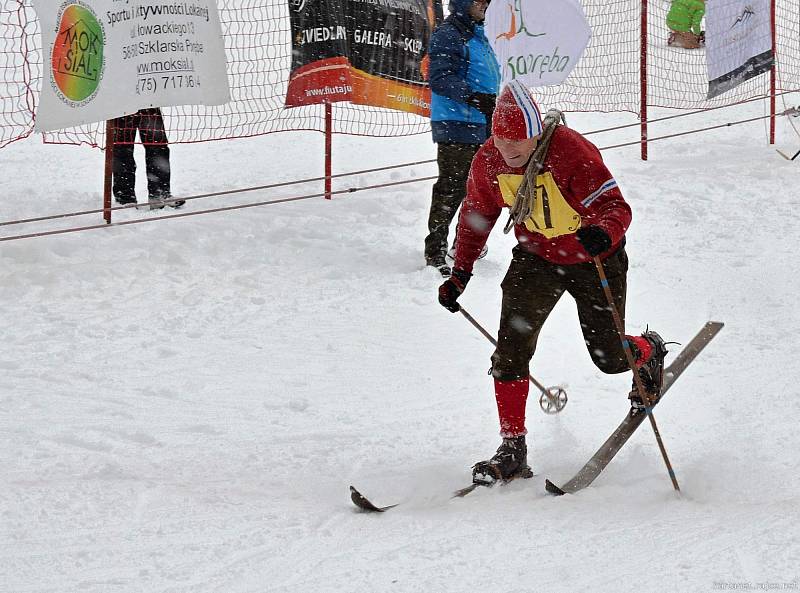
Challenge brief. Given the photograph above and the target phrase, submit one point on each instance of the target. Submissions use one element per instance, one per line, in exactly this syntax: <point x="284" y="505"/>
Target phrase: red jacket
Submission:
<point x="574" y="189"/>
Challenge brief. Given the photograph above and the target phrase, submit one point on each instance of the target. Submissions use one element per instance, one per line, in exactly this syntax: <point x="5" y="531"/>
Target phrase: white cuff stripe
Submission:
<point x="610" y="184"/>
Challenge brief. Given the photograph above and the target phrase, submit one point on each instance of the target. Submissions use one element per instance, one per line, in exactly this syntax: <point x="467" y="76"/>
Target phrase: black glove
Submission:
<point x="452" y="288"/>
<point x="483" y="102"/>
<point x="594" y="239"/>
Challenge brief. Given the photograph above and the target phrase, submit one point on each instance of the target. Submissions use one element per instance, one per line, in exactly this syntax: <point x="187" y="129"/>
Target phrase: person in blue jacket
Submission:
<point x="465" y="78"/>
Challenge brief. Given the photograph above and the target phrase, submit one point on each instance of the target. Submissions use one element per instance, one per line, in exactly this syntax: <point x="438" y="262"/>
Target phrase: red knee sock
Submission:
<point x="643" y="347"/>
<point x="511" y="397"/>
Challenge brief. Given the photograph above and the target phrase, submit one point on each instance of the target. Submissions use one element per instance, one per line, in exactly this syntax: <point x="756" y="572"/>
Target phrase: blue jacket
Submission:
<point x="461" y="63"/>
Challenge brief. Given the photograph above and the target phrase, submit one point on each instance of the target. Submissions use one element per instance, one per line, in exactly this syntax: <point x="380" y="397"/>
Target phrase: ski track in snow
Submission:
<point x="183" y="404"/>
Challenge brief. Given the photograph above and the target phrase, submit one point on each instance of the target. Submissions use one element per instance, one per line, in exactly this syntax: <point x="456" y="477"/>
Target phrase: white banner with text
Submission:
<point x="107" y="59"/>
<point x="738" y="42"/>
<point x="538" y="43"/>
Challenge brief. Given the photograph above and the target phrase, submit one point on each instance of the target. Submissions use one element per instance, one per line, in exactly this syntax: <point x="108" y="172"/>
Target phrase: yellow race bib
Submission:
<point x="552" y="215"/>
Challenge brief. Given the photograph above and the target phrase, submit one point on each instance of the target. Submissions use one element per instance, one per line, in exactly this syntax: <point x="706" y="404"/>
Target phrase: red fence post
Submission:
<point x="643" y="80"/>
<point x="328" y="147"/>
<point x="772" y="74"/>
<point x="108" y="171"/>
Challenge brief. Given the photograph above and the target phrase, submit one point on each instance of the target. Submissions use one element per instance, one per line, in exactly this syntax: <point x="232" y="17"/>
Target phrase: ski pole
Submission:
<point x="636" y="378"/>
<point x="556" y="397"/>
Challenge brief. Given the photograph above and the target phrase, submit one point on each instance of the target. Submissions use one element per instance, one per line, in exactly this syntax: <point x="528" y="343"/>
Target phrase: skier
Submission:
<point x="464" y="78"/>
<point x="566" y="209"/>
<point x="683" y="21"/>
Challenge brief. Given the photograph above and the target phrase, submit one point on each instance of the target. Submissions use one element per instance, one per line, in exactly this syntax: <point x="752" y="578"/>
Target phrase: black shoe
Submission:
<point x="651" y="372"/>
<point x="124" y="201"/>
<point x="441" y="265"/>
<point x="510" y="461"/>
<point x="156" y="203"/>
<point x="176" y="203"/>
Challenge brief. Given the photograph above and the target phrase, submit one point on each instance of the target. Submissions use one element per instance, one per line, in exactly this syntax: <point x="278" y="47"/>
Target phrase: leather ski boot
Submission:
<point x="510" y="461"/>
<point x="651" y="371"/>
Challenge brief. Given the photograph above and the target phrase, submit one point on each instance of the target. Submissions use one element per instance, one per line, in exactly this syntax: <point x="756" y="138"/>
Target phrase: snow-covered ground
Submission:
<point x="184" y="403"/>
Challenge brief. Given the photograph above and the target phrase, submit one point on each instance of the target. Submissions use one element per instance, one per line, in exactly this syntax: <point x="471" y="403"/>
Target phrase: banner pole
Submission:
<point x="772" y="74"/>
<point x="108" y="170"/>
<point x="328" y="148"/>
<point x="643" y="80"/>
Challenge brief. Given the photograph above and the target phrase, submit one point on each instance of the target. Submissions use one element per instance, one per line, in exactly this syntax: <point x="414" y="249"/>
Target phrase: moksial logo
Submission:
<point x="77" y="54"/>
<point x="513" y="30"/>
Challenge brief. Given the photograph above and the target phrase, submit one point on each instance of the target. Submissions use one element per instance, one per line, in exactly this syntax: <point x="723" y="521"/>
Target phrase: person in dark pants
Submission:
<point x="566" y="209"/>
<point x="150" y="124"/>
<point x="464" y="78"/>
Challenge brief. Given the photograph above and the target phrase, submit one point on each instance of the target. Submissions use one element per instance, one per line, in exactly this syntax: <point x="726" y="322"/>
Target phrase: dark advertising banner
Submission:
<point x="369" y="52"/>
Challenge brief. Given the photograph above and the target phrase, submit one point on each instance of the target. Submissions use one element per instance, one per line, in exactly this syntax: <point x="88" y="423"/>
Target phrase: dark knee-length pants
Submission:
<point x="532" y="287"/>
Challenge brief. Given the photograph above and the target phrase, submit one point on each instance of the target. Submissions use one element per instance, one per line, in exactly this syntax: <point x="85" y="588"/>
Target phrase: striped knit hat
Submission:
<point x="516" y="116"/>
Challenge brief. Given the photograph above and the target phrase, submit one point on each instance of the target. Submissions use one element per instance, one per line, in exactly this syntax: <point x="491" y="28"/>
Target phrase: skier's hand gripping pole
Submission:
<point x="629" y="355"/>
<point x="552" y="399"/>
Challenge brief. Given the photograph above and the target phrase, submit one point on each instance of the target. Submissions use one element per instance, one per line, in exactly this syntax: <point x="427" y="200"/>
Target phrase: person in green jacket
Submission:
<point x="683" y="21"/>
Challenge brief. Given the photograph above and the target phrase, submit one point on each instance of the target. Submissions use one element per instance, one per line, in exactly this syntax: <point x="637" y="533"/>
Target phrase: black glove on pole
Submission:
<point x="452" y="288"/>
<point x="594" y="239"/>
